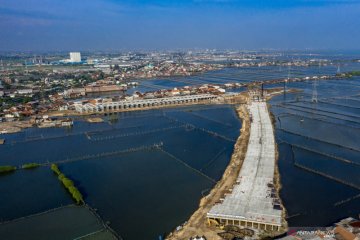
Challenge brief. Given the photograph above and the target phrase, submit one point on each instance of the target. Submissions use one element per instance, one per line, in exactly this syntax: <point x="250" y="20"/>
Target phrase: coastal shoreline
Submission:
<point x="18" y="126"/>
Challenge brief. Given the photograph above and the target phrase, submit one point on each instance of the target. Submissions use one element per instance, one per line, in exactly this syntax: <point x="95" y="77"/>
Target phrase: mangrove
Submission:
<point x="7" y="169"/>
<point x="55" y="169"/>
<point x="68" y="184"/>
<point x="30" y="165"/>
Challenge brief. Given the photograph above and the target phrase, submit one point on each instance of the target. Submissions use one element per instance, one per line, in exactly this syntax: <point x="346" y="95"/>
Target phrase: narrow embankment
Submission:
<point x="197" y="225"/>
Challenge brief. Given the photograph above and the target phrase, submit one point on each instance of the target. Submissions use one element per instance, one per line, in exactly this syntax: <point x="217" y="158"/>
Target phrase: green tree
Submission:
<point x="55" y="169"/>
<point x="67" y="182"/>
<point x="30" y="165"/>
<point x="5" y="169"/>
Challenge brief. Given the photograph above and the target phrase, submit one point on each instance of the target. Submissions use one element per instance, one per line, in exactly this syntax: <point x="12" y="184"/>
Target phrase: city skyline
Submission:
<point x="223" y="24"/>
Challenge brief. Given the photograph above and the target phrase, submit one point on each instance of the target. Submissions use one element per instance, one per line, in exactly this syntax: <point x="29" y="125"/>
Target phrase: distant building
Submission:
<point x="24" y="91"/>
<point x="75" y="57"/>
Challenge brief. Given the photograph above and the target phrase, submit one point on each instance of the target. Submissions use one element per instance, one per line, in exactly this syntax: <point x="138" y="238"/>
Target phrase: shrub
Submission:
<point x="61" y="176"/>
<point x="355" y="73"/>
<point x="30" y="165"/>
<point x="5" y="169"/>
<point x="68" y="184"/>
<point x="76" y="194"/>
<point x="55" y="169"/>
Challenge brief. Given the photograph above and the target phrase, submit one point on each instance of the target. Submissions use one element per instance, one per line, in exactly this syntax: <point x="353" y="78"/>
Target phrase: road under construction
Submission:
<point x="253" y="201"/>
<point x="247" y="196"/>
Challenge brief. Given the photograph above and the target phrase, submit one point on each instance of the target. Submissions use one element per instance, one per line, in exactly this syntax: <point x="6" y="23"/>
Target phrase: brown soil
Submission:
<point x="13" y="127"/>
<point x="95" y="120"/>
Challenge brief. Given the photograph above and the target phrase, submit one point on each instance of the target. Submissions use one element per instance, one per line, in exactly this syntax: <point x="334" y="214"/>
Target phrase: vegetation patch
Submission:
<point x="349" y="74"/>
<point x="55" y="169"/>
<point x="6" y="169"/>
<point x="355" y="73"/>
<point x="68" y="184"/>
<point x="30" y="166"/>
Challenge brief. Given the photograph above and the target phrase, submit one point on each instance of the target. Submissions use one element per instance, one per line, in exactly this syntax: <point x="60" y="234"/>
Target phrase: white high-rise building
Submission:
<point x="75" y="57"/>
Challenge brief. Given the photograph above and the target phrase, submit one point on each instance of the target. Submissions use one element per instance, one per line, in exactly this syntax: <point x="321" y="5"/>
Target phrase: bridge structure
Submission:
<point x="253" y="201"/>
<point x="141" y="103"/>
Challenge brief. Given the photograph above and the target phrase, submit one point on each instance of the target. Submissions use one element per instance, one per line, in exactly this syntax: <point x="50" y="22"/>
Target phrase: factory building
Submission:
<point x="75" y="57"/>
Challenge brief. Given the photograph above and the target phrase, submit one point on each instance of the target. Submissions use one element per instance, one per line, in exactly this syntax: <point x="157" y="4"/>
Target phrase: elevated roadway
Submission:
<point x="141" y="103"/>
<point x="253" y="202"/>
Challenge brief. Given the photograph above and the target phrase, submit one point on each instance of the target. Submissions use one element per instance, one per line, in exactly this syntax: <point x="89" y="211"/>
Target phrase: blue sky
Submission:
<point x="35" y="25"/>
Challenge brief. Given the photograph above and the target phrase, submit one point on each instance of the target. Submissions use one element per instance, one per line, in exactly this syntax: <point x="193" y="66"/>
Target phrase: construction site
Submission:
<point x="245" y="201"/>
<point x="253" y="201"/>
